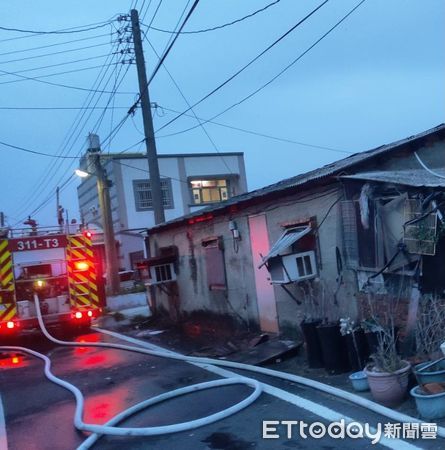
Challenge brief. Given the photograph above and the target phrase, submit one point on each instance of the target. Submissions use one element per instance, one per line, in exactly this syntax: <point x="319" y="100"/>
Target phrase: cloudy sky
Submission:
<point x="376" y="78"/>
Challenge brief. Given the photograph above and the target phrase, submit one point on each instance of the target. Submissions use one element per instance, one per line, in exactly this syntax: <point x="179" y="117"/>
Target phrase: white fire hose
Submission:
<point x="109" y="428"/>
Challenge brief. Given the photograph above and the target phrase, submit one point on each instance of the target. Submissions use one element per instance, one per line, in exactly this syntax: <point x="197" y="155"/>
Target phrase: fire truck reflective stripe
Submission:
<point x="76" y="242"/>
<point x="6" y="272"/>
<point x="3" y="245"/>
<point x="9" y="312"/>
<point x="83" y="287"/>
<point x="77" y="253"/>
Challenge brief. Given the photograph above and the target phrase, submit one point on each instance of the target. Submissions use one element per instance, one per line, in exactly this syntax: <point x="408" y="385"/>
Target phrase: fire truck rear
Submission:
<point x="61" y="267"/>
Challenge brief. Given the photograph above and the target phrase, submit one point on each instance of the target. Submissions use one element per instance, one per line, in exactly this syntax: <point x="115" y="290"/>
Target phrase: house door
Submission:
<point x="259" y="243"/>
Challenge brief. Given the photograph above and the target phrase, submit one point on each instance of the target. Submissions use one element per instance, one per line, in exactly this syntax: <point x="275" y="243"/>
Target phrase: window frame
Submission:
<point x="222" y="177"/>
<point x="170" y="204"/>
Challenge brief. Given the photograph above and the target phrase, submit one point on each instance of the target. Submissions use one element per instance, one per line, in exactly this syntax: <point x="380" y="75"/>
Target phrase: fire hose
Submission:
<point x="110" y="428"/>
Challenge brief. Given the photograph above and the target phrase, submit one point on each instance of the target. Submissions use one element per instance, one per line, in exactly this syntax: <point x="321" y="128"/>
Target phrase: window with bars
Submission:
<point x="143" y="196"/>
<point x="209" y="190"/>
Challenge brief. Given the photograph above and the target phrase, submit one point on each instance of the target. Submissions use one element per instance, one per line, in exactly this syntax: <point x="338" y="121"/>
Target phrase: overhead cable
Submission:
<point x="271" y="80"/>
<point x="218" y="27"/>
<point x="256" y="133"/>
<point x="68" y="31"/>
<point x="239" y="71"/>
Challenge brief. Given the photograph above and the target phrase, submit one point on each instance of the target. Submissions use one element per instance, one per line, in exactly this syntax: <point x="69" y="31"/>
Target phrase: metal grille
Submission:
<point x="350" y="233"/>
<point x="420" y="236"/>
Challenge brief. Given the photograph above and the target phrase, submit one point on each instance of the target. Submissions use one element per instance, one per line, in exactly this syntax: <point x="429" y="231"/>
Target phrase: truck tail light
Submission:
<point x="78" y="315"/>
<point x="10" y="324"/>
<point x="90" y="313"/>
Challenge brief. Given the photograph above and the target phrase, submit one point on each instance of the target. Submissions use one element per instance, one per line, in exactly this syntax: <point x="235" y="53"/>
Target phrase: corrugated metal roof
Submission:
<point x="415" y="178"/>
<point x="334" y="168"/>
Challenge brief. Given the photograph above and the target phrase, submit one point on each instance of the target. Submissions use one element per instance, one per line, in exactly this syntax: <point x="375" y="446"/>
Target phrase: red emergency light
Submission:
<point x="78" y="315"/>
<point x="88" y="234"/>
<point x="10" y="324"/>
<point x="81" y="265"/>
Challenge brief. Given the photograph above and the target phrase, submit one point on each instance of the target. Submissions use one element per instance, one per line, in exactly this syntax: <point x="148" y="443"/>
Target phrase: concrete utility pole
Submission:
<point x="153" y="167"/>
<point x="103" y="191"/>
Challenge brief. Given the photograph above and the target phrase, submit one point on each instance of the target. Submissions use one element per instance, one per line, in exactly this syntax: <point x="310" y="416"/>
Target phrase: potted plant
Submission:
<point x="333" y="346"/>
<point x="388" y="373"/>
<point x="430" y="400"/>
<point x="312" y="318"/>
<point x="357" y="347"/>
<point x="430" y="333"/>
<point x="355" y="342"/>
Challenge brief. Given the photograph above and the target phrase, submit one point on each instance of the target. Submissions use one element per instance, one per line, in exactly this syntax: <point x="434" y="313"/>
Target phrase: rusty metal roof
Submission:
<point x="333" y="169"/>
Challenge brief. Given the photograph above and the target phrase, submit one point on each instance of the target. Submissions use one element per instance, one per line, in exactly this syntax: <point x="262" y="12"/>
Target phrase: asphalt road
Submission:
<point x="39" y="414"/>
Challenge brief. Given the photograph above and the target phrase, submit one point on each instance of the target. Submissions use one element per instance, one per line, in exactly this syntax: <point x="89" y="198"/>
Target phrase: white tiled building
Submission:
<point x="189" y="182"/>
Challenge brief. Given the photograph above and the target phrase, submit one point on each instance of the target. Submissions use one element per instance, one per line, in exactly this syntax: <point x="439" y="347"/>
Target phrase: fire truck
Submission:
<point x="61" y="267"/>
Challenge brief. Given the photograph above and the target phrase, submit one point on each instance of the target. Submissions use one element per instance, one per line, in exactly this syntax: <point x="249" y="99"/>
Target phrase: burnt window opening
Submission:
<point x="215" y="263"/>
<point x="387" y="230"/>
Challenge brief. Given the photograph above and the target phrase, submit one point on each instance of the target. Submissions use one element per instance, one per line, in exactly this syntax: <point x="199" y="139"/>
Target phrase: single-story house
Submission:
<point x="310" y="245"/>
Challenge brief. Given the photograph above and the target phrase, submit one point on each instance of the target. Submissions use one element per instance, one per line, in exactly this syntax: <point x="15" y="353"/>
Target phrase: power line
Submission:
<point x="81" y="30"/>
<point x="193" y="111"/>
<point x="58" y="64"/>
<point x="52" y="168"/>
<point x="54" y="45"/>
<point x="271" y="80"/>
<point x="67" y="86"/>
<point x="55" y="53"/>
<point x="256" y="133"/>
<point x="24" y="78"/>
<point x="57" y="108"/>
<point x="108" y="22"/>
<point x="218" y="27"/>
<point x="239" y="71"/>
<point x="165" y="54"/>
<point x="35" y="152"/>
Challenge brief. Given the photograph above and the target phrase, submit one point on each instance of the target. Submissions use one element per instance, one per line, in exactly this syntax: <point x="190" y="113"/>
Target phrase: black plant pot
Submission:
<point x="313" y="348"/>
<point x="372" y="339"/>
<point x="358" y="353"/>
<point x="333" y="349"/>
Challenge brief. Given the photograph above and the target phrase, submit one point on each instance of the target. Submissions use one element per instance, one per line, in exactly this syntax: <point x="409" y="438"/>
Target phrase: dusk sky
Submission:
<point x="378" y="77"/>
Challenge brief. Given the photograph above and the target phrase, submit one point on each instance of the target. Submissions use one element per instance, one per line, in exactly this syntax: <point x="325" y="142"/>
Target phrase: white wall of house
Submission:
<point x="177" y="168"/>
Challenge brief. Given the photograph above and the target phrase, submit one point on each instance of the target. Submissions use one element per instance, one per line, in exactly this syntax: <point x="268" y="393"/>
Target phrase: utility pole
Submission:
<point x="153" y="167"/>
<point x="103" y="192"/>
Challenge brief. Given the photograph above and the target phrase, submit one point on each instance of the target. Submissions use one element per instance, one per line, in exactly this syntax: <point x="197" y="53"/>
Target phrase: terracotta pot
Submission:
<point x="387" y="388"/>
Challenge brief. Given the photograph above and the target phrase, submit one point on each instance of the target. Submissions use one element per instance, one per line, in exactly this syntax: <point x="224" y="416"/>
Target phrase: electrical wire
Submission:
<point x="191" y="108"/>
<point x="165" y="54"/>
<point x="78" y="88"/>
<point x="62" y="52"/>
<point x="35" y="152"/>
<point x="14" y="52"/>
<point x="32" y="35"/>
<point x="81" y="30"/>
<point x="57" y="108"/>
<point x="272" y="79"/>
<point x="90" y="58"/>
<point x="218" y="27"/>
<point x="48" y="174"/>
<point x="256" y="133"/>
<point x="243" y="68"/>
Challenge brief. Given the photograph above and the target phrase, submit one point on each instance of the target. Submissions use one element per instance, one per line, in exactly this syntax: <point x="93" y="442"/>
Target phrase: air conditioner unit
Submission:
<point x="162" y="273"/>
<point x="292" y="268"/>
